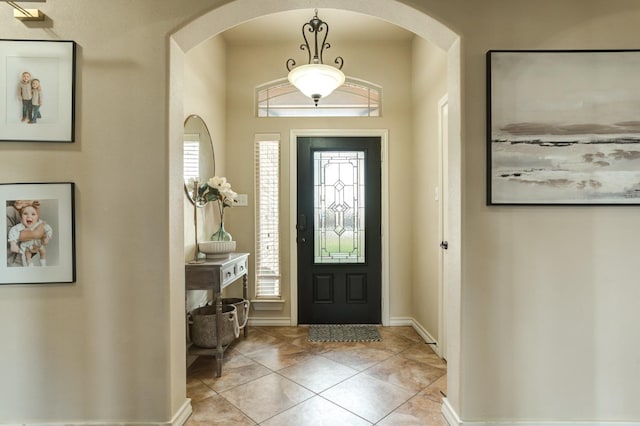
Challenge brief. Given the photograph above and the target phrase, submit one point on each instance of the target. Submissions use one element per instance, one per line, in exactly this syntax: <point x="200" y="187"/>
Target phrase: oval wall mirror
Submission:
<point x="198" y="158"/>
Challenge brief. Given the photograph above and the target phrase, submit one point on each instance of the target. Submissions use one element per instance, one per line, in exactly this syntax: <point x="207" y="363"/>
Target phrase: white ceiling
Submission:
<point x="287" y="27"/>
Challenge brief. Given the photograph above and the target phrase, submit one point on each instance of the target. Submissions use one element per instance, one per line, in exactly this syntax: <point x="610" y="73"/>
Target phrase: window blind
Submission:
<point x="191" y="156"/>
<point x="267" y="182"/>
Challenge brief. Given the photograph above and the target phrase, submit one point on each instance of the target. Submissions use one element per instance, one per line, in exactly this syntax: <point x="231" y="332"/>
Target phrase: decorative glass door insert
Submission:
<point x="339" y="207"/>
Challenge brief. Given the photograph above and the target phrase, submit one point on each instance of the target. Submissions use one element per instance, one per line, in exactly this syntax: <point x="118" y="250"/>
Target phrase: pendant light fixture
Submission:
<point x="316" y="80"/>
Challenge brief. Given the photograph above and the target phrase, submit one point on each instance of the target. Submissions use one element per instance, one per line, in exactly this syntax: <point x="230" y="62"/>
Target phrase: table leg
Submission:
<point x="245" y="294"/>
<point x="219" y="348"/>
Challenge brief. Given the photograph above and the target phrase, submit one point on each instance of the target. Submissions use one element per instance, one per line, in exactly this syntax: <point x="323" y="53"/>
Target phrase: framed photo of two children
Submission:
<point x="39" y="233"/>
<point x="37" y="90"/>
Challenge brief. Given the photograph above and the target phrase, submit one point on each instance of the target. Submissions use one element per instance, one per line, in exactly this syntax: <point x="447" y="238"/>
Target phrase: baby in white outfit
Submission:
<point x="30" y="219"/>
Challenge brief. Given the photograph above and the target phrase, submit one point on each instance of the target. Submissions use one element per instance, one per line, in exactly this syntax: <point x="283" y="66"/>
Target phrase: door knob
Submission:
<point x="301" y="240"/>
<point x="444" y="244"/>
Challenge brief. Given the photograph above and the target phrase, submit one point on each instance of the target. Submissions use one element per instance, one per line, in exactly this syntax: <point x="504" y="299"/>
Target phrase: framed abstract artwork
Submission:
<point x="39" y="233"/>
<point x="37" y="90"/>
<point x="563" y="127"/>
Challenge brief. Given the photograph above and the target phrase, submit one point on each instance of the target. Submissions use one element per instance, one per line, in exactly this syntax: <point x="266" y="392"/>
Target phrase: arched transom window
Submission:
<point x="355" y="98"/>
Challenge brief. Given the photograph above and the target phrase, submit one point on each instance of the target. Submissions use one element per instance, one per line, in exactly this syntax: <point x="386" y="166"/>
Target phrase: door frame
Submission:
<point x="443" y="278"/>
<point x="383" y="134"/>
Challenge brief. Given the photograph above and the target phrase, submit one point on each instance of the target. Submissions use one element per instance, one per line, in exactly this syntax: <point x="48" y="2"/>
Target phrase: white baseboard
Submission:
<point x="427" y="337"/>
<point x="179" y="419"/>
<point x="270" y="321"/>
<point x="400" y="321"/>
<point x="450" y="414"/>
<point x="267" y="304"/>
<point x="183" y="414"/>
<point x="453" y="419"/>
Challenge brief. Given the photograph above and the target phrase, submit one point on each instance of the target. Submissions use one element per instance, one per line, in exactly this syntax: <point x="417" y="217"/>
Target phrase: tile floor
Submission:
<point x="275" y="377"/>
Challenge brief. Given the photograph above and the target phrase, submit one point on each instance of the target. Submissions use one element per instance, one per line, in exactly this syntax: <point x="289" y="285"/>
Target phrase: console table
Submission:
<point x="216" y="274"/>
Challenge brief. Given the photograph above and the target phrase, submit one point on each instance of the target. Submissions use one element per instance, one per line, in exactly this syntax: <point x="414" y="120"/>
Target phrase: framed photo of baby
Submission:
<point x="37" y="90"/>
<point x="39" y="233"/>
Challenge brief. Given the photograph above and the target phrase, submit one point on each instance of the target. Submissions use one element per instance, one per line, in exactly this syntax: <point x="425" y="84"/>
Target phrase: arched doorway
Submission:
<point x="418" y="22"/>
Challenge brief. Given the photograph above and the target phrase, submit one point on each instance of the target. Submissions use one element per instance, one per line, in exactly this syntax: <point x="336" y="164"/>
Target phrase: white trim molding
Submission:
<point x="267" y="304"/>
<point x="400" y="321"/>
<point x="270" y="321"/>
<point x="183" y="414"/>
<point x="383" y="134"/>
<point x="450" y="414"/>
<point x="179" y="419"/>
<point x="453" y="419"/>
<point x="427" y="337"/>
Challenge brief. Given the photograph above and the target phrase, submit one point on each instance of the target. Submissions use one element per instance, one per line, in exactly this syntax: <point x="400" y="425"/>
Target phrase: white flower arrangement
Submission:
<point x="216" y="189"/>
<point x="219" y="190"/>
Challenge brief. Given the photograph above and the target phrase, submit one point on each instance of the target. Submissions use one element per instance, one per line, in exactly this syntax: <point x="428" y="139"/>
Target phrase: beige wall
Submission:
<point x="549" y="293"/>
<point x="99" y="349"/>
<point x="205" y="95"/>
<point x="548" y="313"/>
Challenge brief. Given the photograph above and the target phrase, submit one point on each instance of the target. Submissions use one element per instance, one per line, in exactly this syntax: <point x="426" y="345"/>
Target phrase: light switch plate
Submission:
<point x="28" y="14"/>
<point x="243" y="200"/>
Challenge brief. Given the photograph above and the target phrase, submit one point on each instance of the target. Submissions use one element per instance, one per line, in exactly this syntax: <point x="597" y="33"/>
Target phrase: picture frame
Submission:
<point x="563" y="127"/>
<point x="49" y="257"/>
<point x="46" y="113"/>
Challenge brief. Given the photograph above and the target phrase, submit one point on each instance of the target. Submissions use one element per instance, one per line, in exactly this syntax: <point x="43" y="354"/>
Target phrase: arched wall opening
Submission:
<point x="236" y="12"/>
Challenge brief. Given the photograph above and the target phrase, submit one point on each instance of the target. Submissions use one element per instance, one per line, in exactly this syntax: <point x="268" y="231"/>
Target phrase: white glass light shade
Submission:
<point x="316" y="80"/>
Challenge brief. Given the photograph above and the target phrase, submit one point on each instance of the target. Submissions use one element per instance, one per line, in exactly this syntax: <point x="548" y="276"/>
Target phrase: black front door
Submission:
<point x="339" y="230"/>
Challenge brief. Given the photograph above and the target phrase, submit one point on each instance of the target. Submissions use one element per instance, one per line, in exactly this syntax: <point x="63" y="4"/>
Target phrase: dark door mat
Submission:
<point x="344" y="333"/>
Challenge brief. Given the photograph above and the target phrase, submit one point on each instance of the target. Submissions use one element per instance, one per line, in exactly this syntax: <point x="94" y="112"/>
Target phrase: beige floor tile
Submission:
<point x="408" y="374"/>
<point x="217" y="411"/>
<point x="236" y="370"/>
<point x="201" y="367"/>
<point x="299" y="336"/>
<point x="205" y="365"/>
<point x="255" y="341"/>
<point x="279" y="356"/>
<point x="266" y="397"/>
<point x="311" y="347"/>
<point x="357" y="356"/>
<point x="436" y="389"/>
<point x="316" y="411"/>
<point x="392" y="342"/>
<point x="406" y="332"/>
<point x="369" y="398"/>
<point x="197" y="390"/>
<point x="288" y="333"/>
<point x="423" y="353"/>
<point x="317" y="373"/>
<point x="418" y="411"/>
